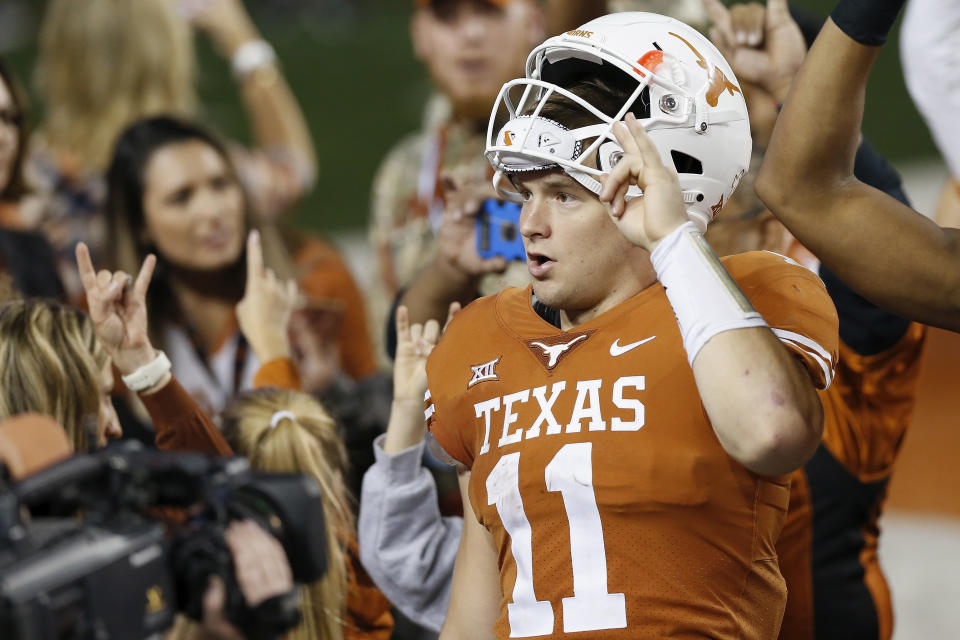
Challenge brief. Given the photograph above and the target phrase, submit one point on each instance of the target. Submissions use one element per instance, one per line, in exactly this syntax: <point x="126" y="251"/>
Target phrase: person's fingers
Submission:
<point x="85" y="266"/>
<point x="119" y="281"/>
<point x="496" y="264"/>
<point x="261" y="566"/>
<point x="777" y="13"/>
<point x="270" y="279"/>
<point x="720" y="17"/>
<point x="619" y="179"/>
<point x="750" y="64"/>
<point x="293" y="294"/>
<point x="143" y="278"/>
<point x="620" y="173"/>
<point x="747" y="22"/>
<point x="403" y="325"/>
<point x="719" y="38"/>
<point x="104" y="278"/>
<point x="431" y="332"/>
<point x="452" y="311"/>
<point x="620" y="197"/>
<point x="621" y="131"/>
<point x="416" y="333"/>
<point x="254" y="257"/>
<point x="214" y="598"/>
<point x="648" y="150"/>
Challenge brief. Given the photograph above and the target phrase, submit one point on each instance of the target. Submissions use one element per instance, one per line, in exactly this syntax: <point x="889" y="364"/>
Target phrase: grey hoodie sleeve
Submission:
<point x="405" y="545"/>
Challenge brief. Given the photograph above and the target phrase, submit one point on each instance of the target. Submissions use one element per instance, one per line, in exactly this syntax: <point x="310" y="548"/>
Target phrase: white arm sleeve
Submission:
<point x="930" y="56"/>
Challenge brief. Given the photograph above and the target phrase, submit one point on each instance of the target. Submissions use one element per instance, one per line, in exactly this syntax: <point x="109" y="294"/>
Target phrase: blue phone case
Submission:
<point x="498" y="231"/>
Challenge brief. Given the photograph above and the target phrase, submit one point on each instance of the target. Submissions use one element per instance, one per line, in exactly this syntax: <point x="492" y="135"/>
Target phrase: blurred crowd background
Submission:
<point x="351" y="66"/>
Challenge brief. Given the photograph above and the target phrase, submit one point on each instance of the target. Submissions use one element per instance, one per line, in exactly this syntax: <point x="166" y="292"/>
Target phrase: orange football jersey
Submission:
<point x="828" y="548"/>
<point x="615" y="510"/>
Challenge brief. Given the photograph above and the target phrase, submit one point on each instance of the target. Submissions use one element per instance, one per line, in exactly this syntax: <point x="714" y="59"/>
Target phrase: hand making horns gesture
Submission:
<point x="118" y="308"/>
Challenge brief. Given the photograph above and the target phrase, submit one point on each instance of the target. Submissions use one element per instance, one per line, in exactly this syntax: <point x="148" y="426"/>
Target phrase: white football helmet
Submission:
<point x="683" y="93"/>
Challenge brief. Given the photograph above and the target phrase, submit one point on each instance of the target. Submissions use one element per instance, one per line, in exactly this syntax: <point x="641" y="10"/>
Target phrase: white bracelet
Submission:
<point x="252" y="55"/>
<point x="149" y="374"/>
<point x="705" y="299"/>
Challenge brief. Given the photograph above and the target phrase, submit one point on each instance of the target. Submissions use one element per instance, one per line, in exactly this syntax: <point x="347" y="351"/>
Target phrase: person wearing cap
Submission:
<point x="469" y="48"/>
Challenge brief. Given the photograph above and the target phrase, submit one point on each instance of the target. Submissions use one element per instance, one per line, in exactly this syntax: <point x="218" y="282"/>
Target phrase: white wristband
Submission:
<point x="705" y="299"/>
<point x="149" y="374"/>
<point x="252" y="55"/>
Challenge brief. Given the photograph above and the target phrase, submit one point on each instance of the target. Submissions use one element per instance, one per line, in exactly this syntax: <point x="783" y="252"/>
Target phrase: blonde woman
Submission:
<point x="51" y="362"/>
<point x="287" y="431"/>
<point x="104" y="64"/>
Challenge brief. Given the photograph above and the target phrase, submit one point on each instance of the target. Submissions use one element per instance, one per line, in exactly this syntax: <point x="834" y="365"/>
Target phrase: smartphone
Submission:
<point x="498" y="231"/>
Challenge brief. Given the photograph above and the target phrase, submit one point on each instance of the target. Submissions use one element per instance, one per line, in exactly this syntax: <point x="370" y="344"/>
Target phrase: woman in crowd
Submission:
<point x="26" y="259"/>
<point x="52" y="363"/>
<point x="172" y="190"/>
<point x="286" y="431"/>
<point x="106" y="64"/>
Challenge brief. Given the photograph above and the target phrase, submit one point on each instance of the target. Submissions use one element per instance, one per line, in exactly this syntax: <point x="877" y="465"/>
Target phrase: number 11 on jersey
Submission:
<point x="591" y="607"/>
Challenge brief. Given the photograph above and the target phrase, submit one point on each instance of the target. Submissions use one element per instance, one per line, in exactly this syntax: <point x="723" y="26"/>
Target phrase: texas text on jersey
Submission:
<point x="613" y="507"/>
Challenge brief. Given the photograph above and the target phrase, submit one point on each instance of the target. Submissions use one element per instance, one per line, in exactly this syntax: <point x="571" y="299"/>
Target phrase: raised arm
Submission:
<point x="883" y="249"/>
<point x="279" y="127"/>
<point x="405" y="545"/>
<point x="118" y="308"/>
<point x="762" y="405"/>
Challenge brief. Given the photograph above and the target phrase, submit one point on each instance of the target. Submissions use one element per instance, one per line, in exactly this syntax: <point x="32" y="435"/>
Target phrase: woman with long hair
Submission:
<point x="288" y="431"/>
<point x="172" y="191"/>
<point x="26" y="259"/>
<point x="104" y="64"/>
<point x="51" y="362"/>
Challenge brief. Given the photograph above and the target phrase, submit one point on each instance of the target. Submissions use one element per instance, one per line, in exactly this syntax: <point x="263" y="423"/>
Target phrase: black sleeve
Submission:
<point x="390" y="339"/>
<point x="864" y="327"/>
<point x="30" y="260"/>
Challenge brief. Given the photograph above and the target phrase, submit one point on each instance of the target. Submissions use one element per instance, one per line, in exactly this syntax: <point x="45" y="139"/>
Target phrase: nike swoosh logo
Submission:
<point x="616" y="349"/>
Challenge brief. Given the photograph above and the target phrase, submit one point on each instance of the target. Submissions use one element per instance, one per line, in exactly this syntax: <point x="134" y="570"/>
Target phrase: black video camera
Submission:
<point x="120" y="540"/>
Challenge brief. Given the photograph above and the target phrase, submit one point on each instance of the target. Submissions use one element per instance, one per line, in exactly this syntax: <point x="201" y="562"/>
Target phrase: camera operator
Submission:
<point x="32" y="442"/>
<point x="262" y="573"/>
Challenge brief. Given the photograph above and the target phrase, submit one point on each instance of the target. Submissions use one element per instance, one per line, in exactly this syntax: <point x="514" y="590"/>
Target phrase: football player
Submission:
<point x="828" y="548"/>
<point x="807" y="179"/>
<point x="624" y="427"/>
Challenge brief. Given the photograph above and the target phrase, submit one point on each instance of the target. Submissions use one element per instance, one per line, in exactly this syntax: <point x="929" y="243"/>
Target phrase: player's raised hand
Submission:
<point x="762" y="44"/>
<point x="645" y="220"/>
<point x="264" y="312"/>
<point x="118" y="308"/>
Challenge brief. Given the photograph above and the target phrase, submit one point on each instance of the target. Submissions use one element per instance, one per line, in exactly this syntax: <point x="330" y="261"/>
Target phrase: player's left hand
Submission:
<point x="646" y="220"/>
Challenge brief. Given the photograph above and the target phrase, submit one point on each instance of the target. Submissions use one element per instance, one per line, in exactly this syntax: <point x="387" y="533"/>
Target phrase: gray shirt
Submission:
<point x="405" y="545"/>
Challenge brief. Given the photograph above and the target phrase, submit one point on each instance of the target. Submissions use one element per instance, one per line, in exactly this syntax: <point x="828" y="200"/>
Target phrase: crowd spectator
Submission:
<point x="27" y="266"/>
